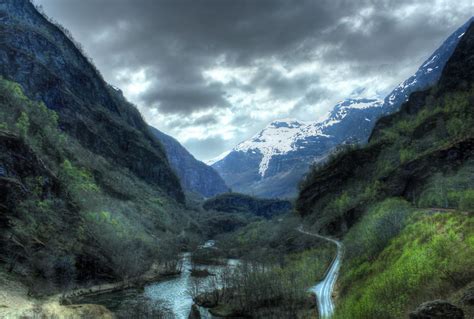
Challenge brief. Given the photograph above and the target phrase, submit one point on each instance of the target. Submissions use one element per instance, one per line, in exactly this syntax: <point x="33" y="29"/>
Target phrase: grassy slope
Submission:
<point x="430" y="259"/>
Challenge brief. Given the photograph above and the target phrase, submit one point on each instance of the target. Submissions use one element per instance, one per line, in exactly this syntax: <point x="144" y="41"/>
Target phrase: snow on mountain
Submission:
<point x="428" y="73"/>
<point x="278" y="137"/>
<point x="286" y="135"/>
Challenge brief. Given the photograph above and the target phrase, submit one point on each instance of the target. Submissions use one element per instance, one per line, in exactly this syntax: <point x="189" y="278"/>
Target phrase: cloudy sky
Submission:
<point x="212" y="73"/>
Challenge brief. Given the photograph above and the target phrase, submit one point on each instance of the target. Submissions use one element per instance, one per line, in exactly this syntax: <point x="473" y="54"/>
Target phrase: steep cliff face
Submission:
<point x="195" y="176"/>
<point x="39" y="56"/>
<point x="424" y="153"/>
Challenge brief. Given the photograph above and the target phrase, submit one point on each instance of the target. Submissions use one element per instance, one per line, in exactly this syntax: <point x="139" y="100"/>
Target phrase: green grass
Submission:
<point x="430" y="258"/>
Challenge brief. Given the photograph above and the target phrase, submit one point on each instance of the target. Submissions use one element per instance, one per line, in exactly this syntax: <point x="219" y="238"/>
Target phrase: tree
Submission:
<point x="23" y="124"/>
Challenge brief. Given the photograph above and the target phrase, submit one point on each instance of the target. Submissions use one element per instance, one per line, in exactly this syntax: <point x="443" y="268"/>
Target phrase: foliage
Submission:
<point x="23" y="124"/>
<point x="378" y="226"/>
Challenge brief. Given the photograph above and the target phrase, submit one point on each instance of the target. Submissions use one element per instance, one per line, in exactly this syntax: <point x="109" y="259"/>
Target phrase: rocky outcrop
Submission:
<point x="437" y="309"/>
<point x="195" y="313"/>
<point x="38" y="55"/>
<point x="195" y="176"/>
<point x="468" y="297"/>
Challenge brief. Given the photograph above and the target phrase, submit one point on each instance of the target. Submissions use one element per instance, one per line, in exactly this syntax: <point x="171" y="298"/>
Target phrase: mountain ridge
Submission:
<point x="195" y="176"/>
<point x="273" y="174"/>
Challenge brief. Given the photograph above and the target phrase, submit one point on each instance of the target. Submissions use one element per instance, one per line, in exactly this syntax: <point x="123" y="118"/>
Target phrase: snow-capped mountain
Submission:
<point x="271" y="163"/>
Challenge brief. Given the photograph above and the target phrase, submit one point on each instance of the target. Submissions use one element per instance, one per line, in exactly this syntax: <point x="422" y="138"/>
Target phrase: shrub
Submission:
<point x="23" y="124"/>
<point x="466" y="201"/>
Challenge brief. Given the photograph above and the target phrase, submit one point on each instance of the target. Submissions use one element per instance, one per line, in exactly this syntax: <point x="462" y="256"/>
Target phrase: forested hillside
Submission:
<point x="87" y="193"/>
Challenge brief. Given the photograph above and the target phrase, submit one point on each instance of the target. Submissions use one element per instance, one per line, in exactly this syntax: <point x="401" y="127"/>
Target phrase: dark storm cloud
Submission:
<point x="185" y="98"/>
<point x="203" y="120"/>
<point x="281" y="86"/>
<point x="173" y="43"/>
<point x="176" y="40"/>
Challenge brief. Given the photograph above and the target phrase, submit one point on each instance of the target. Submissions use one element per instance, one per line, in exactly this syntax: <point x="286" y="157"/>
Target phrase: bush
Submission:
<point x="23" y="124"/>
<point x="466" y="201"/>
<point x="382" y="222"/>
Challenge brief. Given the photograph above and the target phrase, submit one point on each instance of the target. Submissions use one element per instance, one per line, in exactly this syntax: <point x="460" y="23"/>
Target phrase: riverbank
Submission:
<point x="139" y="282"/>
<point x="15" y="302"/>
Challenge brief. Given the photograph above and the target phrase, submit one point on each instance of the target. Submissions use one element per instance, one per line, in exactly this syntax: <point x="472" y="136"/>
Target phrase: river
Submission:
<point x="172" y="295"/>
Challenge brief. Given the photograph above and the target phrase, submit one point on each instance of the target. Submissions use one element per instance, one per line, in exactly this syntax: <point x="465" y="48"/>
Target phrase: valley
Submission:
<point x="365" y="213"/>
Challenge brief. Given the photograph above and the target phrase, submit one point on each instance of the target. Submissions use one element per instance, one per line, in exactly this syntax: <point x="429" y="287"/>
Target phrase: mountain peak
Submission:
<point x="287" y="122"/>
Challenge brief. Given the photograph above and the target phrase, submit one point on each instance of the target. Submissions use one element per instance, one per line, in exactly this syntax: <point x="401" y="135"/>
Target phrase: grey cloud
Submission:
<point x="205" y="148"/>
<point x="175" y="41"/>
<point x="185" y="99"/>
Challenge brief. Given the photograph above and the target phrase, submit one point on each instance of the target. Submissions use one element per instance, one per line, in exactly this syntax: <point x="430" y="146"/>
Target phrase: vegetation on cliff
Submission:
<point x="70" y="216"/>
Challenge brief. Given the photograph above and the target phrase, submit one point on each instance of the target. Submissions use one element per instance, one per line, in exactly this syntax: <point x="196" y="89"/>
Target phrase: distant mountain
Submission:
<point x="271" y="163"/>
<point x="195" y="176"/>
<point x="240" y="203"/>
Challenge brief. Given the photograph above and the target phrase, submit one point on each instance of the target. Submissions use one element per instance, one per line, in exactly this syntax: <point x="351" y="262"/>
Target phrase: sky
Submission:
<point x="212" y="73"/>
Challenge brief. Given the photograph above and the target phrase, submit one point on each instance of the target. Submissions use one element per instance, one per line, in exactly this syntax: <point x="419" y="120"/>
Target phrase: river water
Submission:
<point x="174" y="294"/>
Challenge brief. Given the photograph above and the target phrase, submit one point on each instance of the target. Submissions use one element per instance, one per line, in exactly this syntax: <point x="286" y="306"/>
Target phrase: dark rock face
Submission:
<point x="429" y="72"/>
<point x="239" y="203"/>
<point x="19" y="162"/>
<point x="437" y="309"/>
<point x="459" y="71"/>
<point x="195" y="176"/>
<point x="40" y="57"/>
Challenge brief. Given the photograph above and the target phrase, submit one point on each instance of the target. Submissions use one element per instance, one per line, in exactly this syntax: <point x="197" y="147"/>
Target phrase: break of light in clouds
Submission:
<point x="212" y="73"/>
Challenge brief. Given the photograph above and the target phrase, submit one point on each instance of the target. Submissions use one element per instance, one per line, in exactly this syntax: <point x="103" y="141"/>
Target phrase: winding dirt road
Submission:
<point x="324" y="289"/>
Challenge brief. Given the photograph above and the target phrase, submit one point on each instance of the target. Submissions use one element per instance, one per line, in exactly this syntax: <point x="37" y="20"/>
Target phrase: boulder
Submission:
<point x="437" y="309"/>
<point x="194" y="314"/>
<point x="468" y="297"/>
